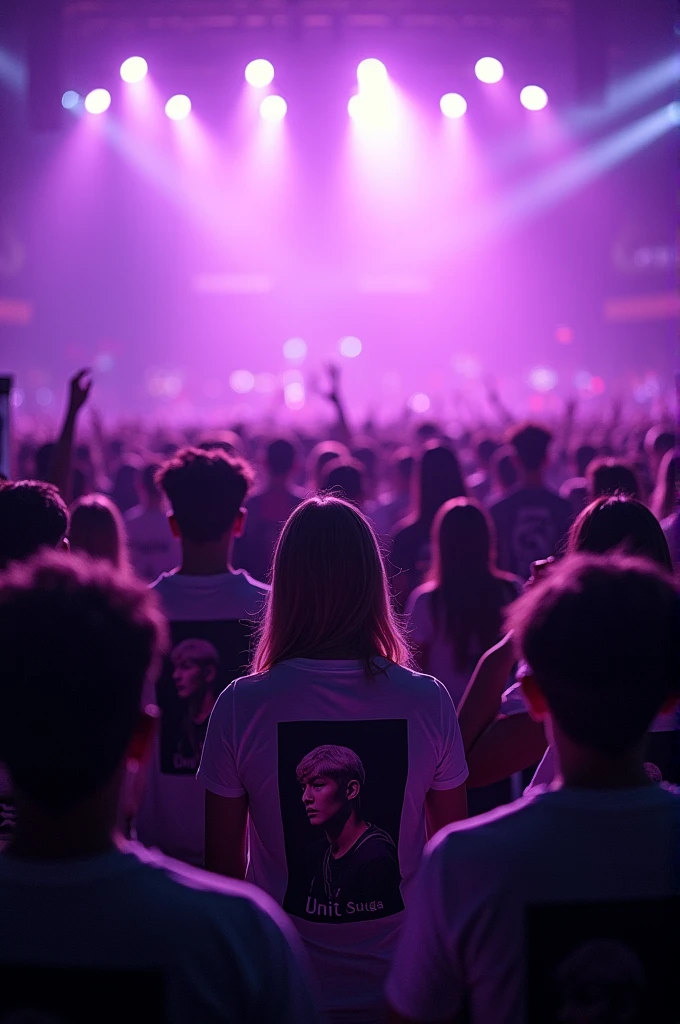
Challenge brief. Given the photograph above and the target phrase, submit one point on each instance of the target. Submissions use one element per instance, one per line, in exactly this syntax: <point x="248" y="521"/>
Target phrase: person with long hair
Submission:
<point x="458" y="613"/>
<point x="500" y="737"/>
<point x="334" y="762"/>
<point x="664" y="498"/>
<point x="97" y="529"/>
<point x="439" y="478"/>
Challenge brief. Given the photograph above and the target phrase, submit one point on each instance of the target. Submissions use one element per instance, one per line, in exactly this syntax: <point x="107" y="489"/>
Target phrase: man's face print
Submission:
<point x="324" y="798"/>
<point x="192" y="677"/>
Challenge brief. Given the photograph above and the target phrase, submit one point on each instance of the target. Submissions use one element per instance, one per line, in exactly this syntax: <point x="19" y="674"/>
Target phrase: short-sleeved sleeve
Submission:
<point x="419" y="617"/>
<point x="426" y="980"/>
<point x="452" y="769"/>
<point x="218" y="770"/>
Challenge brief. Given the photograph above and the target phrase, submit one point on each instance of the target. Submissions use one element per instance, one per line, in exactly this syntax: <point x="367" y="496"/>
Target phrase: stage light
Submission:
<point x="350" y="347"/>
<point x="273" y="108"/>
<point x="259" y="73"/>
<point x="533" y="97"/>
<point x="97" y="101"/>
<point x="489" y="70"/>
<point x="371" y="72"/>
<point x="419" y="402"/>
<point x="70" y="99"/>
<point x="453" y="105"/>
<point x="542" y="379"/>
<point x="178" y="107"/>
<point x="295" y="349"/>
<point x="133" y="70"/>
<point x="241" y="381"/>
<point x="294" y="395"/>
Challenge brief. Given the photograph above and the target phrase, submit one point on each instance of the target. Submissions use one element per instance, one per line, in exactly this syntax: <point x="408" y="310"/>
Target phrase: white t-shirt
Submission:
<point x="153" y="549"/>
<point x="211" y="622"/>
<point x="562" y="889"/>
<point x="402" y="730"/>
<point x="144" y="938"/>
<point x="426" y="633"/>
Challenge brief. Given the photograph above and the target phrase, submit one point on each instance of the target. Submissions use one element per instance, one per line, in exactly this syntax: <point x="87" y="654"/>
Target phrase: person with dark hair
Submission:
<point x="503" y="471"/>
<point x="366" y="456"/>
<point x="33" y="515"/>
<point x="479" y="483"/>
<point x="97" y="530"/>
<point x="440" y="478"/>
<point x="575" y="490"/>
<point x="152" y="547"/>
<point x="611" y="476"/>
<point x="268" y="509"/>
<point x="664" y="500"/>
<point x="532" y="520"/>
<point x="346" y="478"/>
<point x="334" y="701"/>
<point x="458" y="613"/>
<point x="395" y="505"/>
<point x="318" y="459"/>
<point x="601" y="641"/>
<point x="658" y="441"/>
<point x="206" y="602"/>
<point x="146" y="937"/>
<point x="124" y="487"/>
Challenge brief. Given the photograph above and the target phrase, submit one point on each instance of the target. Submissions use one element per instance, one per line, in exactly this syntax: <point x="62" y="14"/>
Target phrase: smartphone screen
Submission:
<point x="5" y="389"/>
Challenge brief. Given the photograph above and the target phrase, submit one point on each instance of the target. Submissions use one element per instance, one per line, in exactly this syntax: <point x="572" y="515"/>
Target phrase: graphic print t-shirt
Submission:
<point x="298" y="739"/>
<point x="530" y="524"/>
<point x="211" y="625"/>
<point x="561" y="907"/>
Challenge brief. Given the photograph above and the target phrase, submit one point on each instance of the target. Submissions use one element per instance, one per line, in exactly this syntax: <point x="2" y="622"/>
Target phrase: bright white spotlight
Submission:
<point x="294" y="395"/>
<point x="70" y="99"/>
<point x="273" y="108"/>
<point x="241" y="381"/>
<point x="97" y="101"/>
<point x="533" y="97"/>
<point x="295" y="349"/>
<point x="371" y="72"/>
<point x="178" y="107"/>
<point x="259" y="73"/>
<point x="543" y="379"/>
<point x="350" y="347"/>
<point x="133" y="70"/>
<point x="489" y="70"/>
<point x="453" y="105"/>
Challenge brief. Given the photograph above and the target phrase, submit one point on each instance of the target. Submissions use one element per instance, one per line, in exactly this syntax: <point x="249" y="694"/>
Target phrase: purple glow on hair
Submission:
<point x="259" y="73"/>
<point x="97" y="101"/>
<point x="453" y="105"/>
<point x="273" y="109"/>
<point x="489" y="70"/>
<point x="533" y="97"/>
<point x="133" y="70"/>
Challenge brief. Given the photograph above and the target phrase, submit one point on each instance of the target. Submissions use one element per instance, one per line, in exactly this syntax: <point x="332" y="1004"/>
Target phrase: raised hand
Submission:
<point x="80" y="386"/>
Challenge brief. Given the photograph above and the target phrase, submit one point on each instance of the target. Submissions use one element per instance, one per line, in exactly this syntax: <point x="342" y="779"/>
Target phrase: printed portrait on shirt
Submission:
<point x="603" y="963"/>
<point x="204" y="658"/>
<point x="341" y="801"/>
<point x="35" y="994"/>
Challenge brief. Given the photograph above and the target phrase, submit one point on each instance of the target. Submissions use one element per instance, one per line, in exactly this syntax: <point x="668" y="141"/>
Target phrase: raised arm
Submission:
<point x="60" y="467"/>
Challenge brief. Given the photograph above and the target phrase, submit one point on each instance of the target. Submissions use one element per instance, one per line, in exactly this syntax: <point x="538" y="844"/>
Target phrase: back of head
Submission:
<point x="147" y="480"/>
<point x="618" y="522"/>
<point x="659" y="441"/>
<point x="402" y="464"/>
<point x="280" y="457"/>
<point x="319" y="457"/>
<point x="346" y="478"/>
<point x="367" y="457"/>
<point x="124" y="490"/>
<point x="504" y="468"/>
<point x="97" y="530"/>
<point x="530" y="442"/>
<point x="462" y="536"/>
<point x="71" y="693"/>
<point x="602" y="637"/>
<point x="43" y="460"/>
<point x="485" y="448"/>
<point x="32" y="516"/>
<point x="440" y="479"/>
<point x="329" y="590"/>
<point x="609" y="476"/>
<point x="227" y="441"/>
<point x="206" y="490"/>
<point x="428" y="431"/>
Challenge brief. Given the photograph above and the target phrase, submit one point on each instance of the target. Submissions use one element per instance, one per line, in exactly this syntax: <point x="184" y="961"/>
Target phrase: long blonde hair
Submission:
<point x="98" y="530"/>
<point x="329" y="590"/>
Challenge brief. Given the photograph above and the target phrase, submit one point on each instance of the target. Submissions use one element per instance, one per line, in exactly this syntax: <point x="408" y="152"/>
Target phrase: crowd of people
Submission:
<point x="337" y="725"/>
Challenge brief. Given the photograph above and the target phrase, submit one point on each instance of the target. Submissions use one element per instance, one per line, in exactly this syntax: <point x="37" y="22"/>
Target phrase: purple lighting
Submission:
<point x="489" y="70"/>
<point x="259" y="73"/>
<point x="241" y="381"/>
<point x="453" y="105"/>
<point x="350" y="347"/>
<point x="70" y="99"/>
<point x="133" y="70"/>
<point x="419" y="402"/>
<point x="295" y="349"/>
<point x="371" y="72"/>
<point x="533" y="97"/>
<point x="97" y="101"/>
<point x="178" y="107"/>
<point x="273" y="108"/>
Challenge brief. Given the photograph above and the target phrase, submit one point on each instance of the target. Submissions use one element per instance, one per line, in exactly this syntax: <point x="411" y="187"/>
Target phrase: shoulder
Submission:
<point x="417" y="683"/>
<point x="133" y="513"/>
<point x="487" y="836"/>
<point x="166" y="581"/>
